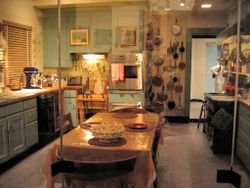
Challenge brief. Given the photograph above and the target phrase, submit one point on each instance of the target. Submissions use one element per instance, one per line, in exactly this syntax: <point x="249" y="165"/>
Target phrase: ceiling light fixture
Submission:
<point x="206" y="5"/>
<point x="167" y="8"/>
<point x="182" y="3"/>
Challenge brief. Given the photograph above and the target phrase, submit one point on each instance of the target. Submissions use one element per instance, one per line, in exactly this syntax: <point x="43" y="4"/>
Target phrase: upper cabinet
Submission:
<point x="92" y="30"/>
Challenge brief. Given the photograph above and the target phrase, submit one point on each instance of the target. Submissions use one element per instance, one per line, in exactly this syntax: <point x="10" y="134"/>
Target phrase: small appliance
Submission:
<point x="29" y="71"/>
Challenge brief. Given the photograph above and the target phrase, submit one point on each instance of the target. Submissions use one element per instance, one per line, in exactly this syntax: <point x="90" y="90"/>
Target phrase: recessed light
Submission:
<point x="206" y="5"/>
<point x="182" y="3"/>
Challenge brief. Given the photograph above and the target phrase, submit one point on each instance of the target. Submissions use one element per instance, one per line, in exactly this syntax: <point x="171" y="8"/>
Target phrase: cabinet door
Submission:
<point x="16" y="133"/>
<point x="70" y="107"/>
<point x="31" y="134"/>
<point x="4" y="144"/>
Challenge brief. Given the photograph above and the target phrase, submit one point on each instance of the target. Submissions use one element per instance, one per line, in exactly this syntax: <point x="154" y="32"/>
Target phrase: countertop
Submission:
<point x="227" y="98"/>
<point x="24" y="94"/>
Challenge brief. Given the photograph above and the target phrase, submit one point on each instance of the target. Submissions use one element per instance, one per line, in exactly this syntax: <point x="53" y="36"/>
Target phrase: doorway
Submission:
<point x="196" y="33"/>
<point x="203" y="56"/>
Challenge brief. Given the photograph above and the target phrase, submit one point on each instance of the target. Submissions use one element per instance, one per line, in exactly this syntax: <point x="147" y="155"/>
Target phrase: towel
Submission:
<point x="117" y="72"/>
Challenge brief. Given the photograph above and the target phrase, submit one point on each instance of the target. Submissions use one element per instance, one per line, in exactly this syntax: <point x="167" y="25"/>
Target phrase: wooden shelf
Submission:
<point x="91" y="103"/>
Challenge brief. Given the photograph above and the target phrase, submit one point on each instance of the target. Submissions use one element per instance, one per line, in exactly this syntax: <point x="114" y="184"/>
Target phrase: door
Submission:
<point x="4" y="144"/>
<point x="70" y="104"/>
<point x="16" y="133"/>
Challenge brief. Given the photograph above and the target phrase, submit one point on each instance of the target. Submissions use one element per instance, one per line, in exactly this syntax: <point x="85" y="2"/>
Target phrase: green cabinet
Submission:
<point x="18" y="128"/>
<point x="4" y="143"/>
<point x="50" y="45"/>
<point x="243" y="135"/>
<point x="16" y="133"/>
<point x="70" y="105"/>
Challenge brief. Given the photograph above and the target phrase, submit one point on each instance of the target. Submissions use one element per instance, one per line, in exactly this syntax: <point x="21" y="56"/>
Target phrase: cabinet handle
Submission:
<point x="73" y="107"/>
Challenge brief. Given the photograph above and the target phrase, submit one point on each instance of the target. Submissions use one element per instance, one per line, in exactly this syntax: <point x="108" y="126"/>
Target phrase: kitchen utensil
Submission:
<point x="158" y="106"/>
<point x="170" y="68"/>
<point x="176" y="29"/>
<point x="171" y="102"/>
<point x="182" y="49"/>
<point x="175" y="78"/>
<point x="157" y="80"/>
<point x="179" y="108"/>
<point x="178" y="87"/>
<point x="170" y="84"/>
<point x="162" y="96"/>
<point x="170" y="49"/>
<point x="158" y="60"/>
<point x="181" y="65"/>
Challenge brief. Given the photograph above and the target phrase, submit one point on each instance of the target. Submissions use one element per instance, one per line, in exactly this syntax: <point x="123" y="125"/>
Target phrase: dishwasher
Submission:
<point x="48" y="112"/>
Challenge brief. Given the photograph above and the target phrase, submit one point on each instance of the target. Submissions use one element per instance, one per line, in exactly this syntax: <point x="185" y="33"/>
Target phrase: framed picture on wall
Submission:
<point x="127" y="36"/>
<point x="79" y="37"/>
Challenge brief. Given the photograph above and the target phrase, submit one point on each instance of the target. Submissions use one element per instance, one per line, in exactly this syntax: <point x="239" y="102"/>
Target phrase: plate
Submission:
<point x="138" y="126"/>
<point x="91" y="124"/>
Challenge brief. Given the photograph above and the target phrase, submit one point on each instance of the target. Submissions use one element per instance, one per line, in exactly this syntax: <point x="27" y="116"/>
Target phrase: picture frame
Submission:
<point x="79" y="37"/>
<point x="127" y="36"/>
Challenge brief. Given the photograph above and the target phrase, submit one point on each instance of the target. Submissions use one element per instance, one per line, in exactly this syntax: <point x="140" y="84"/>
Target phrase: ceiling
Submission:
<point x="222" y="6"/>
<point x="194" y="5"/>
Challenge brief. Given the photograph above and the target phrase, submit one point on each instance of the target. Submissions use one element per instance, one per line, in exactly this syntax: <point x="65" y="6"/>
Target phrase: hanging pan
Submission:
<point x="162" y="96"/>
<point x="179" y="108"/>
<point x="178" y="87"/>
<point x="170" y="49"/>
<point x="157" y="80"/>
<point x="171" y="102"/>
<point x="170" y="84"/>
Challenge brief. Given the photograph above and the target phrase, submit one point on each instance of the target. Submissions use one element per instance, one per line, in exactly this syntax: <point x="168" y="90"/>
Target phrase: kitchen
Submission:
<point x="104" y="27"/>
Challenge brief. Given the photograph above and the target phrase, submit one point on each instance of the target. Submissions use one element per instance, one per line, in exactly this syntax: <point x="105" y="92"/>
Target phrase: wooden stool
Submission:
<point x="202" y="115"/>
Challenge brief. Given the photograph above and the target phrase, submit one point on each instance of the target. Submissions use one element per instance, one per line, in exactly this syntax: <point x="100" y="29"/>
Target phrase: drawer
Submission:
<point x="30" y="115"/>
<point x="70" y="93"/>
<point x="31" y="103"/>
<point x="2" y="111"/>
<point x="14" y="108"/>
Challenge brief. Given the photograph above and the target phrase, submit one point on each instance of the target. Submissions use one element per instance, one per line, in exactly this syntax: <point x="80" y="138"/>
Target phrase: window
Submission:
<point x="18" y="54"/>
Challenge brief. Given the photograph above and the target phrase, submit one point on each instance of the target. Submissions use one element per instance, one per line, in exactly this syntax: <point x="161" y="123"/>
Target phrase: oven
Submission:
<point x="126" y="71"/>
<point x="125" y="99"/>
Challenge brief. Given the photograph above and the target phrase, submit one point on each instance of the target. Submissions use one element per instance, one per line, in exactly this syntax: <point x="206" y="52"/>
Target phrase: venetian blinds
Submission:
<point x="18" y="53"/>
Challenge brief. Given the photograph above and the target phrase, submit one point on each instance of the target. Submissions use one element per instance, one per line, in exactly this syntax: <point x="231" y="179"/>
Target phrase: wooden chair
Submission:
<point x="110" y="174"/>
<point x="67" y="122"/>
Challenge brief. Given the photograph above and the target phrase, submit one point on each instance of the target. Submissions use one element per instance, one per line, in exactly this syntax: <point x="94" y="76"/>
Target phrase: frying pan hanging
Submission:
<point x="182" y="49"/>
<point x="170" y="49"/>
<point x="171" y="102"/>
<point x="157" y="80"/>
<point x="178" y="87"/>
<point x="170" y="84"/>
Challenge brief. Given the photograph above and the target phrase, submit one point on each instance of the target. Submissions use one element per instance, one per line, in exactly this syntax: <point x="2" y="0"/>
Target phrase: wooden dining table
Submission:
<point x="78" y="145"/>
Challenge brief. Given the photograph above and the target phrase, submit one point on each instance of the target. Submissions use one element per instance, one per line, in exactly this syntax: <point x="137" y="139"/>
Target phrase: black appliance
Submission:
<point x="29" y="71"/>
<point x="221" y="140"/>
<point x="48" y="112"/>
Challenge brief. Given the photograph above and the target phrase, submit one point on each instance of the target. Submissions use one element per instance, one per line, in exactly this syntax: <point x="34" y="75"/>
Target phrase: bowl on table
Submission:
<point x="107" y="133"/>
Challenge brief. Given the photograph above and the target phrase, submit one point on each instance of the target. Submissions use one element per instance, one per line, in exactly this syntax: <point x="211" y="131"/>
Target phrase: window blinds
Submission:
<point x="18" y="54"/>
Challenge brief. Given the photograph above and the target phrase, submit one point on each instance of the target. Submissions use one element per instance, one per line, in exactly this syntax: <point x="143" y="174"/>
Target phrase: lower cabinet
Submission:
<point x="4" y="141"/>
<point x="18" y="128"/>
<point x="243" y="136"/>
<point x="16" y="133"/>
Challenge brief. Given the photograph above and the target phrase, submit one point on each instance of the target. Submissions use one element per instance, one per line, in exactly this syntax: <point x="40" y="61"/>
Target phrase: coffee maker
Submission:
<point x="29" y="71"/>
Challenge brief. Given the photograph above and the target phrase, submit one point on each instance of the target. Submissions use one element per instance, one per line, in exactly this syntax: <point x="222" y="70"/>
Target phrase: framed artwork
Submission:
<point x="127" y="36"/>
<point x="79" y="37"/>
